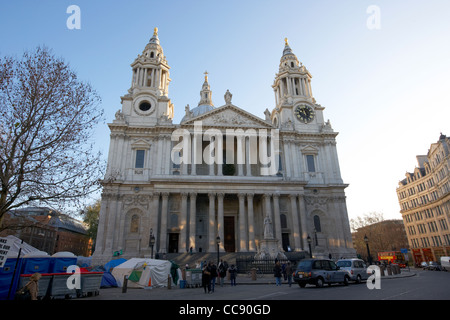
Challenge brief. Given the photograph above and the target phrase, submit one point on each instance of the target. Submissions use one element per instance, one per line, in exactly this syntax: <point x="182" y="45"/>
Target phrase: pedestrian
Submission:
<point x="233" y="273"/>
<point x="223" y="266"/>
<point x="31" y="289"/>
<point x="283" y="269"/>
<point x="277" y="273"/>
<point x="213" y="270"/>
<point x="206" y="279"/>
<point x="289" y="273"/>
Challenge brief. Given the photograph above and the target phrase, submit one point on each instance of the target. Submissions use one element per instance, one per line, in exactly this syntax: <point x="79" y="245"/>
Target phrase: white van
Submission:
<point x="445" y="263"/>
<point x="356" y="269"/>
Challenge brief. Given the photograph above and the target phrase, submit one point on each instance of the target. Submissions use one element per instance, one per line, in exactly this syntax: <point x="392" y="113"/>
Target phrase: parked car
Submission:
<point x="319" y="272"/>
<point x="433" y="265"/>
<point x="356" y="269"/>
<point x="445" y="263"/>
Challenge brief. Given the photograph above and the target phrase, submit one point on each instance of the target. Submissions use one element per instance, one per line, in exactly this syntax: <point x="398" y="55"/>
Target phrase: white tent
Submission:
<point x="17" y="244"/>
<point x="151" y="272"/>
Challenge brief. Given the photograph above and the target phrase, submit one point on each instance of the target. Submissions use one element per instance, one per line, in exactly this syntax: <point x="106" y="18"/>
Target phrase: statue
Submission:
<point x="228" y="96"/>
<point x="268" y="231"/>
<point x="267" y="114"/>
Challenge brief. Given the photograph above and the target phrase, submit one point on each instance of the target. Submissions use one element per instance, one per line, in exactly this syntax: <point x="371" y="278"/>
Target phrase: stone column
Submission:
<point x="101" y="235"/>
<point x="276" y="213"/>
<point x="192" y="220"/>
<point x="212" y="223"/>
<point x="220" y="221"/>
<point x="183" y="224"/>
<point x="304" y="231"/>
<point x="242" y="225"/>
<point x="240" y="156"/>
<point x="163" y="231"/>
<point x="109" y="241"/>
<point x="251" y="223"/>
<point x="295" y="221"/>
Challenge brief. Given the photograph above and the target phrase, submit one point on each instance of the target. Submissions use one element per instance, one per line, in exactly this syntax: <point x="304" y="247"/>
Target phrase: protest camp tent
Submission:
<point x="142" y="272"/>
<point x="113" y="263"/>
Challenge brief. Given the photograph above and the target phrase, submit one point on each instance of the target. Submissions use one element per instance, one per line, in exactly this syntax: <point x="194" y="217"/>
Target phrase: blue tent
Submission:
<point x="108" y="280"/>
<point x="113" y="263"/>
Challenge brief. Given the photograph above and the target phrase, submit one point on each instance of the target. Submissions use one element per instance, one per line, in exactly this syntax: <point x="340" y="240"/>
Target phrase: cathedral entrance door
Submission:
<point x="228" y="229"/>
<point x="173" y="242"/>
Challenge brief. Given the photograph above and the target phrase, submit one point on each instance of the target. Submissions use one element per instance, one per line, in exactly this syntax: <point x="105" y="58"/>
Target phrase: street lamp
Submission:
<point x="309" y="244"/>
<point x="218" y="243"/>
<point x="369" y="257"/>
<point x="152" y="241"/>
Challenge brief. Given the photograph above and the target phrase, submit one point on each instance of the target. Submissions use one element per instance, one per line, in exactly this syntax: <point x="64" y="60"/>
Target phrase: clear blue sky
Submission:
<point x="385" y="90"/>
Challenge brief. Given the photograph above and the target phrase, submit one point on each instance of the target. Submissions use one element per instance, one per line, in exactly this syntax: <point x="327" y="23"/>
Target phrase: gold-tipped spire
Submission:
<point x="206" y="75"/>
<point x="286" y="41"/>
<point x="155" y="31"/>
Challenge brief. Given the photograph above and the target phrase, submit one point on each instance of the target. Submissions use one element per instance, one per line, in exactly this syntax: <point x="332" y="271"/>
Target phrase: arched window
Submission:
<point x="317" y="224"/>
<point x="134" y="225"/>
<point x="152" y="54"/>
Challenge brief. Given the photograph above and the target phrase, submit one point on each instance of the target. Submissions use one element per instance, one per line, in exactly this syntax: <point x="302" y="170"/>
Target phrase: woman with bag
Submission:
<point x="31" y="289"/>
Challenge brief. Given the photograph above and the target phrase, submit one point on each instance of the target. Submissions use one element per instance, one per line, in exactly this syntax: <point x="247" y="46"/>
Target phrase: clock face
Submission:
<point x="304" y="113"/>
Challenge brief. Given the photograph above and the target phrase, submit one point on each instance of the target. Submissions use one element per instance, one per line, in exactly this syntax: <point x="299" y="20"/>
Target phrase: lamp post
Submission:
<point x="369" y="257"/>
<point x="218" y="243"/>
<point x="152" y="241"/>
<point x="309" y="244"/>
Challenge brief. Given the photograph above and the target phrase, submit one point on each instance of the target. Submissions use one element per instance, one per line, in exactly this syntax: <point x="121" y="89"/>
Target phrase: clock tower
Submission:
<point x="147" y="102"/>
<point x="295" y="105"/>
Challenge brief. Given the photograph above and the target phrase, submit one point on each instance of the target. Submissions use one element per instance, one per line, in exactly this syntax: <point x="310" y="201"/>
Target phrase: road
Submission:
<point x="424" y="285"/>
<point x="267" y="301"/>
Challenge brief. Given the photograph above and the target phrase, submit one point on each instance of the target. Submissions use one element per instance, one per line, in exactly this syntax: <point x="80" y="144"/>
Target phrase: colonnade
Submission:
<point x="245" y="233"/>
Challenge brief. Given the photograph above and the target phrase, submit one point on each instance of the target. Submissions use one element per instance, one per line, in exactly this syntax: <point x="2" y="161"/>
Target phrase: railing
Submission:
<point x="245" y="263"/>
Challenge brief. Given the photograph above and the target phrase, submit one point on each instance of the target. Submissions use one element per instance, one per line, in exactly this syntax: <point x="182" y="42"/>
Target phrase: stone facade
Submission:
<point x="424" y="198"/>
<point x="222" y="172"/>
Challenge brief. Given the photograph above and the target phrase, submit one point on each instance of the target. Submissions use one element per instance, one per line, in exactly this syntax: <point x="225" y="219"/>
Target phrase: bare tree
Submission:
<point x="366" y="220"/>
<point x="47" y="119"/>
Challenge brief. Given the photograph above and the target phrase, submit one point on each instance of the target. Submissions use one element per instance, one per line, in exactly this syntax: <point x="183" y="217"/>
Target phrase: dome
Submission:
<point x="201" y="109"/>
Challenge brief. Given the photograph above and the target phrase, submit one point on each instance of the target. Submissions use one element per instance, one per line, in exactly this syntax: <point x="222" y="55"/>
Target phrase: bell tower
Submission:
<point x="295" y="105"/>
<point x="147" y="101"/>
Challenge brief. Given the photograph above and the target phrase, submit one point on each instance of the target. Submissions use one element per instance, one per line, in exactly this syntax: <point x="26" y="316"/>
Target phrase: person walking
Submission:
<point x="289" y="273"/>
<point x="213" y="271"/>
<point x="31" y="289"/>
<point x="223" y="267"/>
<point x="277" y="273"/>
<point x="233" y="273"/>
<point x="206" y="278"/>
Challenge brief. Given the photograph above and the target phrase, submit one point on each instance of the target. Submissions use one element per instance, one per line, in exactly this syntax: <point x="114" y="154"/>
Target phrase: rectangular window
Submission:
<point x="140" y="154"/>
<point x="310" y="163"/>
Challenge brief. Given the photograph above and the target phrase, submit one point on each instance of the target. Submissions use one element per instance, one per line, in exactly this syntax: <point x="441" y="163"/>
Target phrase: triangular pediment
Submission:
<point x="229" y="116"/>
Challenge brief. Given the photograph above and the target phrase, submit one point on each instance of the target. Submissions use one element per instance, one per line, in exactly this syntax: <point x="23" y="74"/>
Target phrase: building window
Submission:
<point x="310" y="163"/>
<point x="134" y="225"/>
<point x="140" y="155"/>
<point x="317" y="223"/>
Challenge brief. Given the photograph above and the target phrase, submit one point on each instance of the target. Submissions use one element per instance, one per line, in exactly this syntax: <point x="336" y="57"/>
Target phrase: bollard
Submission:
<point x="389" y="270"/>
<point x="382" y="270"/>
<point x="169" y="282"/>
<point x="125" y="284"/>
<point x="253" y="272"/>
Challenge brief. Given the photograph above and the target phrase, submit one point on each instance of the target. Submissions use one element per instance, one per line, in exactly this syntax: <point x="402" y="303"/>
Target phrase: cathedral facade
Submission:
<point x="222" y="179"/>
